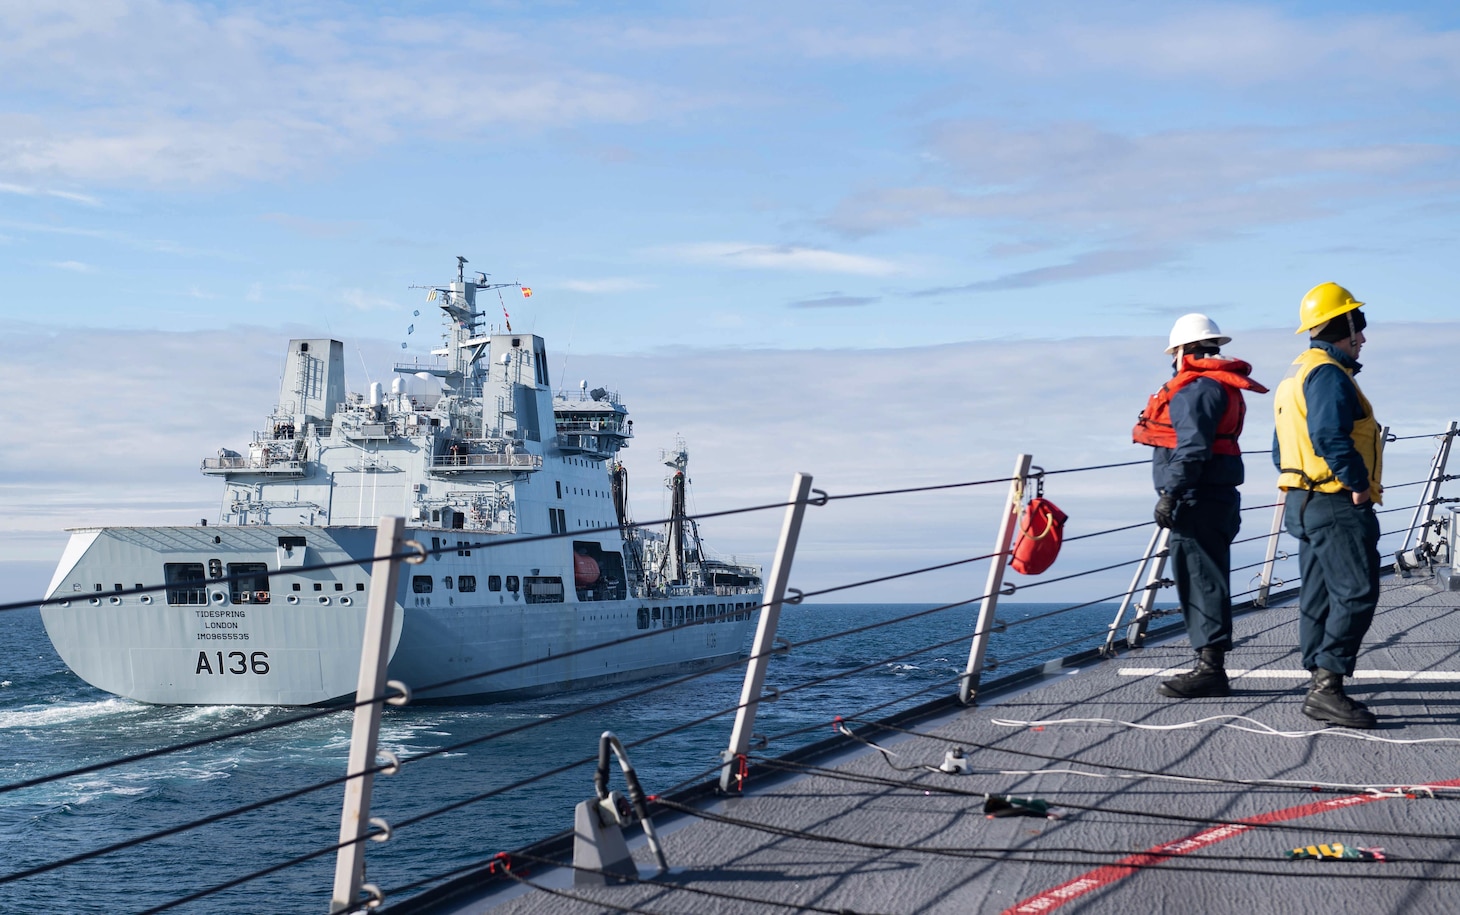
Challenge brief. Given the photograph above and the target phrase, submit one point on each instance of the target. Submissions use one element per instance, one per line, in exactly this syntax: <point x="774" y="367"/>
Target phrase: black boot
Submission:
<point x="1207" y="681"/>
<point x="1327" y="702"/>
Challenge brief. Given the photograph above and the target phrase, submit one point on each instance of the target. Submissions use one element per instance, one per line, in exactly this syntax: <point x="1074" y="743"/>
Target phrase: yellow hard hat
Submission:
<point x="1322" y="303"/>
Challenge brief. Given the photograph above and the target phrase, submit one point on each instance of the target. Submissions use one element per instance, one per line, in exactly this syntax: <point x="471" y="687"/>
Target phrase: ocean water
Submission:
<point x="50" y="721"/>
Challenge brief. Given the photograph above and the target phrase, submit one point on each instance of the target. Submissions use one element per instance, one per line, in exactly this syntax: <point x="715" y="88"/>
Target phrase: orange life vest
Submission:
<point x="1154" y="425"/>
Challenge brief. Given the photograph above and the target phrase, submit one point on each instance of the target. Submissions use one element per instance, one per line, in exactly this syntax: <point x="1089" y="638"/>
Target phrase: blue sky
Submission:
<point x="847" y="177"/>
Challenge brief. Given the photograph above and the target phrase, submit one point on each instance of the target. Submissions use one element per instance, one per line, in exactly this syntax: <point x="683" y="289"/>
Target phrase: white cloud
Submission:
<point x="747" y="256"/>
<point x="606" y="285"/>
<point x="194" y="96"/>
<point x="1244" y="45"/>
<point x="1075" y="178"/>
<point x="73" y="266"/>
<point x="367" y="301"/>
<point x="1226" y="44"/>
<point x="28" y="191"/>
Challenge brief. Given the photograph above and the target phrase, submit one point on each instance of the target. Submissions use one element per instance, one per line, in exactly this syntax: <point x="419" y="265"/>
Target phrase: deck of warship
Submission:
<point x="1160" y="804"/>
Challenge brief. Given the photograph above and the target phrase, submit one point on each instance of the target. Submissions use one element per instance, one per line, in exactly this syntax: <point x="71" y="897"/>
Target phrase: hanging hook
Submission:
<point x="1038" y="475"/>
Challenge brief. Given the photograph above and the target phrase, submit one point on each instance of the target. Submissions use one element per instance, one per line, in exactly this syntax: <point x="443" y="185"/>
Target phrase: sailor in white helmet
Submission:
<point x="1193" y="423"/>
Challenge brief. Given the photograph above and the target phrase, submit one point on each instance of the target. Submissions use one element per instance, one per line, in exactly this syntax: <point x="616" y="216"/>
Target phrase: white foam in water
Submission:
<point x="41" y="716"/>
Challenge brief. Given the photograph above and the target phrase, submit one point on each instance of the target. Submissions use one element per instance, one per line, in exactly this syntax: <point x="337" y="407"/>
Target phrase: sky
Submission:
<point x="885" y="245"/>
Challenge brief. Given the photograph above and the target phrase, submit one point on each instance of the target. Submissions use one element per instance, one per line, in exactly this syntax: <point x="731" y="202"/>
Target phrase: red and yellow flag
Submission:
<point x="527" y="292"/>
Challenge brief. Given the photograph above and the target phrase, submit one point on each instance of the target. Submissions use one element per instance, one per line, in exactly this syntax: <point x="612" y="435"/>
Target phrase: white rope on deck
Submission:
<point x="1398" y="676"/>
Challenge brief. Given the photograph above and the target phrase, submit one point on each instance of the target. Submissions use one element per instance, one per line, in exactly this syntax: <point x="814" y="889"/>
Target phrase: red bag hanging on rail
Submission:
<point x="1041" y="530"/>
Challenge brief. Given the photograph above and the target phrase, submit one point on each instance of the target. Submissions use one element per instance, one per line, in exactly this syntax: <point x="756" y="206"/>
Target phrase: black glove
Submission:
<point x="1165" y="510"/>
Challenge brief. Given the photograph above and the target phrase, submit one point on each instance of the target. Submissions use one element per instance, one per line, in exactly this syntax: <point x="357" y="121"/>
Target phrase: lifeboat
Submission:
<point x="585" y="569"/>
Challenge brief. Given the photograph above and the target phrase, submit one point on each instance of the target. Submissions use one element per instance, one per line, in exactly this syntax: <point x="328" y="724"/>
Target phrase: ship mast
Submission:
<point x="677" y="460"/>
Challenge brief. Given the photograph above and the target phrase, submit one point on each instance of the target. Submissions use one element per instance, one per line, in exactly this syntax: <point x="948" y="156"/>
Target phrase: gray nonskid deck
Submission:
<point x="1106" y="819"/>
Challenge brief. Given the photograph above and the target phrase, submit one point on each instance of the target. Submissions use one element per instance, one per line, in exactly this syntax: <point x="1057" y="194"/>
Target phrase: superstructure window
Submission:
<point x="250" y="581"/>
<point x="447" y="582"/>
<point x="421" y="584"/>
<point x="643" y="620"/>
<point x="466" y="583"/>
<point x="184" y="583"/>
<point x="512" y="583"/>
<point x="542" y="590"/>
<point x="494" y="582"/>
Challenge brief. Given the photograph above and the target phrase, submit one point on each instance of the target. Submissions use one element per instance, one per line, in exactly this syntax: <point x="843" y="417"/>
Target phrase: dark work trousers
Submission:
<point x="1201" y="563"/>
<point x="1338" y="557"/>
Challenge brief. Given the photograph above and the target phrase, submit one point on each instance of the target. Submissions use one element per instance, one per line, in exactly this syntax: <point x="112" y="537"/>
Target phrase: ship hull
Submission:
<point x="292" y="636"/>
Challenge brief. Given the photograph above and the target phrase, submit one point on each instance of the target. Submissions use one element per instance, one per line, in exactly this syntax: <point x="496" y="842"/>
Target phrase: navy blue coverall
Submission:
<point x="1338" y="542"/>
<point x="1208" y="513"/>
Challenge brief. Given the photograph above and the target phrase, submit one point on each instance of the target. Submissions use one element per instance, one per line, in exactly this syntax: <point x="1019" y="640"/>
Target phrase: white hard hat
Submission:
<point x="1194" y="328"/>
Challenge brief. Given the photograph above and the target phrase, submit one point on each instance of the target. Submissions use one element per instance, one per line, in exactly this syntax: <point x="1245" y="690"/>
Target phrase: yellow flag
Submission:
<point x="431" y="296"/>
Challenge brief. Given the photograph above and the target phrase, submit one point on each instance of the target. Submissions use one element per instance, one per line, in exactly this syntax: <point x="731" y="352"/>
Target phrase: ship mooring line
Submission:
<point x="1441" y="676"/>
<point x="1285" y="785"/>
<point x="1256" y="727"/>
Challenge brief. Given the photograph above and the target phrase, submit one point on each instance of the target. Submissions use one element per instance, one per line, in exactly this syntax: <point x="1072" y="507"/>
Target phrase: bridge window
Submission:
<point x="183" y="580"/>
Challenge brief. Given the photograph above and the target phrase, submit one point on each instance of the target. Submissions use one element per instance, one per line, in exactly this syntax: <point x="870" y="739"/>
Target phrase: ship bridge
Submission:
<point x="594" y="424"/>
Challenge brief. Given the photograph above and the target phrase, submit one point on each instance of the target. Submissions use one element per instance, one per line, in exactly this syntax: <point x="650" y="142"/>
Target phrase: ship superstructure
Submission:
<point x="470" y="446"/>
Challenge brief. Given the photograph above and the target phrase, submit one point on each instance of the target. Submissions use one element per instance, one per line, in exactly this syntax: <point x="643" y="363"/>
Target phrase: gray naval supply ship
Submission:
<point x="247" y="618"/>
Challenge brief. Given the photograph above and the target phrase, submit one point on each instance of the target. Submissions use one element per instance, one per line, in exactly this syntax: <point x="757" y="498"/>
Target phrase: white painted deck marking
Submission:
<point x="1434" y="676"/>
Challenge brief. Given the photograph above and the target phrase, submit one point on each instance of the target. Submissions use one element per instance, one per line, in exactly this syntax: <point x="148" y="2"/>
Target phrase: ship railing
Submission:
<point x="460" y="462"/>
<point x="249" y="464"/>
<point x="800" y="695"/>
<point x="606" y="427"/>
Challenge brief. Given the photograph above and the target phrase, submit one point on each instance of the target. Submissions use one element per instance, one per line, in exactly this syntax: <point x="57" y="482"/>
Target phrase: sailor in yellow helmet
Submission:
<point x="1329" y="452"/>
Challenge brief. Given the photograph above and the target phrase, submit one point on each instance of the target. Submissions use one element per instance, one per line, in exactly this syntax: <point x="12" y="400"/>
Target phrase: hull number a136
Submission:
<point x="233" y="662"/>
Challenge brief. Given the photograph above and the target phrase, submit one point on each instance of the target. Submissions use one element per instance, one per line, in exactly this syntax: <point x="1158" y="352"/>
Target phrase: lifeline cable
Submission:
<point x="185" y="827"/>
<point x="444" y="875"/>
<point x="418" y="550"/>
<point x="817" y="500"/>
<point x="192" y="744"/>
<point x="443" y="549"/>
<point x="454" y="806"/>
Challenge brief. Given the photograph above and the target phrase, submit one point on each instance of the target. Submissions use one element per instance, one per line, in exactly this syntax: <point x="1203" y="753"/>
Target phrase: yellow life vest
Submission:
<point x="1302" y="468"/>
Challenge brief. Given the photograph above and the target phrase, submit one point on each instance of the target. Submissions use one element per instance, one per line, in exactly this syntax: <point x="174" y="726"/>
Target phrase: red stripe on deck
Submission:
<point x="1057" y="896"/>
